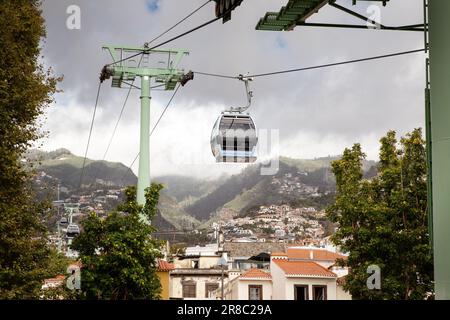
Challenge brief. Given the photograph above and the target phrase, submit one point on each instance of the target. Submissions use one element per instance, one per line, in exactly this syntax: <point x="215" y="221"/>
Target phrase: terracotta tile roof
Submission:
<point x="165" y="266"/>
<point x="304" y="269"/>
<point x="313" y="254"/>
<point x="76" y="264"/>
<point x="58" y="279"/>
<point x="255" y="274"/>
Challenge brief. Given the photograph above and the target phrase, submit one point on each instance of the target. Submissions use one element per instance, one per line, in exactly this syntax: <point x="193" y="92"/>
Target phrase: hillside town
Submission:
<point x="228" y="270"/>
<point x="256" y="271"/>
<point x="251" y="257"/>
<point x="290" y="183"/>
<point x="275" y="223"/>
<point x="222" y="155"/>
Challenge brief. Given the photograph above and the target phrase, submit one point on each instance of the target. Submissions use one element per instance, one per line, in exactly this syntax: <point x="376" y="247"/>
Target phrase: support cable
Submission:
<point x="337" y="63"/>
<point x="215" y="75"/>
<point x="121" y="112"/>
<point x="147" y="50"/>
<point x="154" y="127"/>
<point x="180" y="22"/>
<point x="313" y="67"/>
<point x="90" y="134"/>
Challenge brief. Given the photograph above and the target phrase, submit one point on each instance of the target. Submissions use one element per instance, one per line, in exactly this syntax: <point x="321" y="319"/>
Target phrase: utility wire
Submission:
<point x="121" y="112"/>
<point x="165" y="109"/>
<point x="180" y="22"/>
<point x="170" y="40"/>
<point x="215" y="75"/>
<point x="117" y="123"/>
<point x="311" y="67"/>
<point x="90" y="134"/>
<point x="336" y="63"/>
<point x="154" y="127"/>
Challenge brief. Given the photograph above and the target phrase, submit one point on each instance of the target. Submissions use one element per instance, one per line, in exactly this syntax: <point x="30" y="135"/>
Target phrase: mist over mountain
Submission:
<point x="67" y="167"/>
<point x="189" y="202"/>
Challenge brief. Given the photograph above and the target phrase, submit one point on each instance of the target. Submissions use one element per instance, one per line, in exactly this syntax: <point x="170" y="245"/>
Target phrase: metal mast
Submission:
<point x="124" y="69"/>
<point x="439" y="24"/>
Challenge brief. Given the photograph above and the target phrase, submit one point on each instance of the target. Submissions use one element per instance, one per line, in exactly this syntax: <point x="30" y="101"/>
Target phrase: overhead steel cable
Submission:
<point x="117" y="123"/>
<point x="123" y="108"/>
<point x="170" y="40"/>
<point x="121" y="113"/>
<point x="166" y="42"/>
<point x="90" y="134"/>
<point x="215" y="75"/>
<point x="312" y="67"/>
<point x="154" y="127"/>
<point x="337" y="63"/>
<point x="180" y="22"/>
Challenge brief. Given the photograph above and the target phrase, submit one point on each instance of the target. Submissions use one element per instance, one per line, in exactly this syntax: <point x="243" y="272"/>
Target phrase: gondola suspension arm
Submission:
<point x="249" y="93"/>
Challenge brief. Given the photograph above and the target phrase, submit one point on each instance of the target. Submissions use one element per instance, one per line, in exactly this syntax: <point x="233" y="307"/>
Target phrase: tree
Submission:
<point x="383" y="221"/>
<point x="118" y="255"/>
<point x="26" y="89"/>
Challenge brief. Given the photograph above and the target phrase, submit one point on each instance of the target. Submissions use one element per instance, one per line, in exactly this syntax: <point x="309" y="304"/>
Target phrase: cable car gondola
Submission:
<point x="233" y="138"/>
<point x="72" y="230"/>
<point x="64" y="221"/>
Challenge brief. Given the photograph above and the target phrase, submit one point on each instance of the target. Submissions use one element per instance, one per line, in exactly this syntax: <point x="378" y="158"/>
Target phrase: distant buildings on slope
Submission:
<point x="257" y="271"/>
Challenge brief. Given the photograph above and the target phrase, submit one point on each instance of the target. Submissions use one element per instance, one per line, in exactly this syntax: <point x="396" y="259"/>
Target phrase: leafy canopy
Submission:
<point x="383" y="221"/>
<point x="26" y="89"/>
<point x="118" y="255"/>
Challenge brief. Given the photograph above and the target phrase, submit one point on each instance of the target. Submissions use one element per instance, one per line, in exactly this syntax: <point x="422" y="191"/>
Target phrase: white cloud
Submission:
<point x="318" y="112"/>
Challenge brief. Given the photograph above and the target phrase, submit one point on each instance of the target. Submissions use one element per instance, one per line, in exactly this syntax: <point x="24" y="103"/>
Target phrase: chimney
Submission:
<point x="220" y="241"/>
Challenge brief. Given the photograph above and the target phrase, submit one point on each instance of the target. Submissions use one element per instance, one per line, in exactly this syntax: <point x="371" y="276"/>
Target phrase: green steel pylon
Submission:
<point x="124" y="70"/>
<point x="439" y="117"/>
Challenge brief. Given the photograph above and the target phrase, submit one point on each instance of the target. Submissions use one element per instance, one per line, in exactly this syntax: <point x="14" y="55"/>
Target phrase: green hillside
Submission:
<point x="186" y="189"/>
<point x="67" y="167"/>
<point x="250" y="189"/>
<point x="175" y="215"/>
<point x="187" y="202"/>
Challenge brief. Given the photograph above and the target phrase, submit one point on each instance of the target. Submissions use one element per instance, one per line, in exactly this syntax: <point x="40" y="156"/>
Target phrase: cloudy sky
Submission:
<point x="317" y="112"/>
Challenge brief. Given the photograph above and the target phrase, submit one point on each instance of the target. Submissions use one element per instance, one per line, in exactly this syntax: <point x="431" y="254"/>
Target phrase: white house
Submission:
<point x="302" y="280"/>
<point x="253" y="284"/>
<point x="300" y="273"/>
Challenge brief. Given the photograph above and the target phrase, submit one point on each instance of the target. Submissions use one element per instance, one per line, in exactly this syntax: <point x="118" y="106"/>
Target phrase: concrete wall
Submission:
<point x="278" y="282"/>
<point x="341" y="294"/>
<point x="208" y="262"/>
<point x="177" y="285"/>
<point x="291" y="282"/>
<point x="242" y="288"/>
<point x="284" y="287"/>
<point x="165" y="284"/>
<point x="204" y="262"/>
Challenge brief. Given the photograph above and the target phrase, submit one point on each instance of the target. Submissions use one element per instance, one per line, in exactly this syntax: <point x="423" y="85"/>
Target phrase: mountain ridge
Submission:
<point x="189" y="202"/>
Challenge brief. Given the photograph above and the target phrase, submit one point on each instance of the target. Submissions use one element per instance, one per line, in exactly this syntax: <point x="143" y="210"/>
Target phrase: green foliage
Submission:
<point x="58" y="266"/>
<point x="119" y="256"/>
<point x="383" y="221"/>
<point x="26" y="89"/>
<point x="59" y="293"/>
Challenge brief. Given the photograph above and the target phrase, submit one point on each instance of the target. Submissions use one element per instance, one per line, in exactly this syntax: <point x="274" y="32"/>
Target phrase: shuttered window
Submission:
<point x="189" y="290"/>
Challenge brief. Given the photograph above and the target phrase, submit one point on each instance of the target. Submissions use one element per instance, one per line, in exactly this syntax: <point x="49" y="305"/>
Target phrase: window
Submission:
<point x="195" y="264"/>
<point x="319" y="292"/>
<point x="301" y="293"/>
<point x="255" y="292"/>
<point x="210" y="287"/>
<point x="189" y="290"/>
